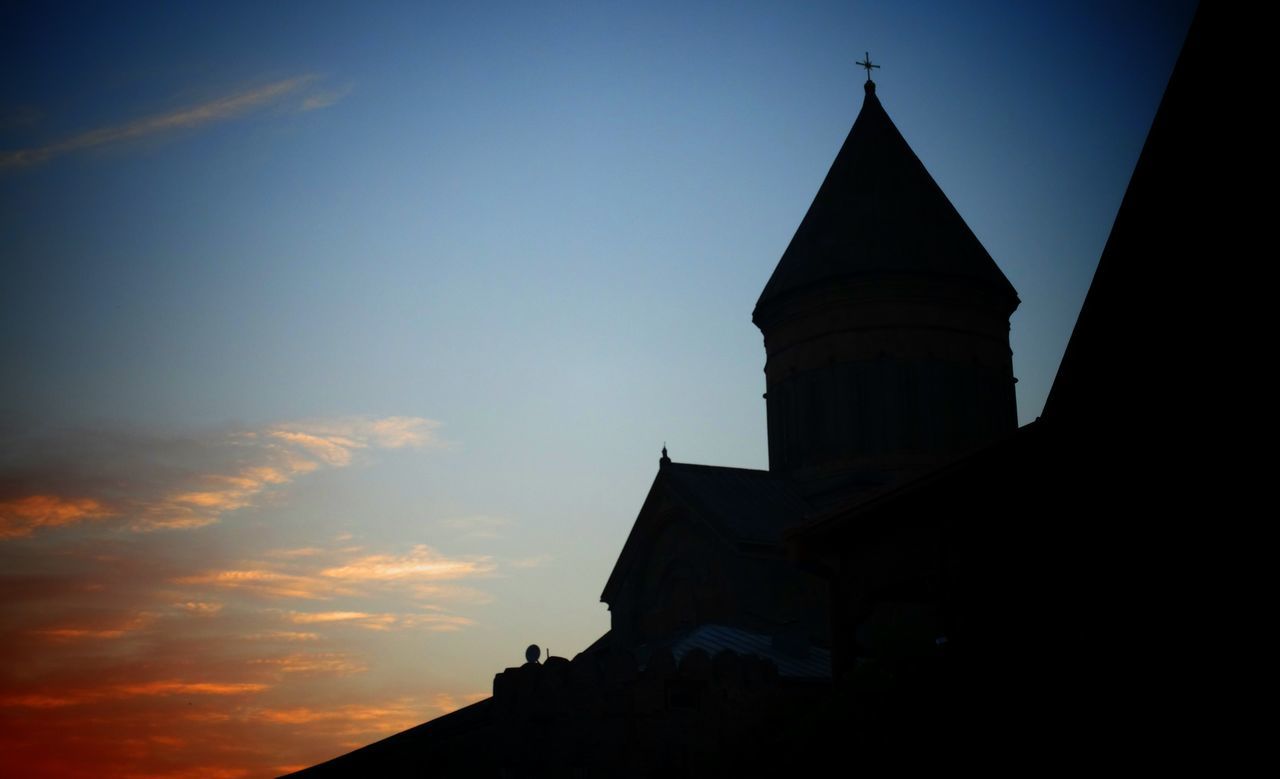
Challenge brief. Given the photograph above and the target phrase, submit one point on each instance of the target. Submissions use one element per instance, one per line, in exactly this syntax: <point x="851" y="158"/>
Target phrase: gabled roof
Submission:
<point x="879" y="211"/>
<point x="740" y="505"/>
<point x="744" y="504"/>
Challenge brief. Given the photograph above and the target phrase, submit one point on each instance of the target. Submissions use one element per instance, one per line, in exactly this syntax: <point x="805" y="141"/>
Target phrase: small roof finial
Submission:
<point x="664" y="460"/>
<point x="866" y="63"/>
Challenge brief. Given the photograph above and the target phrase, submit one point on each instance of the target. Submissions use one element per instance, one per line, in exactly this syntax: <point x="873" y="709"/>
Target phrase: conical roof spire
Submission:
<point x="879" y="211"/>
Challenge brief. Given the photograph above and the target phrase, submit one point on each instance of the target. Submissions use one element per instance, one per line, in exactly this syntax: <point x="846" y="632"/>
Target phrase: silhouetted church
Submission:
<point x="915" y="578"/>
<point x="886" y="330"/>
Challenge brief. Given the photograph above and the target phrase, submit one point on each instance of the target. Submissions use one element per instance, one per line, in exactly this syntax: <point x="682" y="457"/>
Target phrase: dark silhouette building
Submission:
<point x="914" y="579"/>
<point x="886" y="330"/>
<point x="886" y="323"/>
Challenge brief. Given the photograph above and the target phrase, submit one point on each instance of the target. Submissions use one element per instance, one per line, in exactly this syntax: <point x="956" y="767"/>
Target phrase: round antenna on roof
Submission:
<point x="532" y="654"/>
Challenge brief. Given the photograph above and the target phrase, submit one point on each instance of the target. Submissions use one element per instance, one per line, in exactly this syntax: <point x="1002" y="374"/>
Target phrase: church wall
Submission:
<point x="949" y="319"/>
<point x="781" y="597"/>
<point x="886" y="372"/>
<point x="688" y="575"/>
<point x="677" y="583"/>
<point x="884" y="412"/>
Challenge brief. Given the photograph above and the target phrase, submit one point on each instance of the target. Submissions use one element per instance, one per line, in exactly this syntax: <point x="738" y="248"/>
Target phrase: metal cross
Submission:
<point x="866" y="63"/>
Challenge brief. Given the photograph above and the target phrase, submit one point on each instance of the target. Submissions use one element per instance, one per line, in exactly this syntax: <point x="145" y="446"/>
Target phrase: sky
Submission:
<point x="340" y="341"/>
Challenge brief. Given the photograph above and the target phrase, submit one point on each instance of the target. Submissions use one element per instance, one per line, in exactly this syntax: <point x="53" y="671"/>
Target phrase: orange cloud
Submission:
<point x="452" y="592"/>
<point x="80" y="633"/>
<point x="445" y="702"/>
<point x="140" y="708"/>
<point x="421" y="564"/>
<point x="269" y="582"/>
<point x="383" y="432"/>
<point x="110" y="631"/>
<point x="284" y="635"/>
<point x="200" y="609"/>
<point x="156" y="687"/>
<point x="318" y="574"/>
<point x="149" y="483"/>
<point x="350" y="713"/>
<point x="329" y="663"/>
<point x="178" y="654"/>
<point x="350" y="725"/>
<point x="333" y="450"/>
<point x="204" y="686"/>
<point x="308" y="618"/>
<point x="437" y="622"/>
<point x="189" y="688"/>
<point x="70" y="633"/>
<point x="20" y="516"/>
<point x="304" y="551"/>
<point x="39" y="701"/>
<point x="398" y="432"/>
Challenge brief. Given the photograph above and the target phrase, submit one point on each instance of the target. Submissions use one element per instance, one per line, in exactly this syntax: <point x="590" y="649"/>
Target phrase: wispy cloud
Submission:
<point x="421" y="564"/>
<point x="19" y="516"/>
<point x="536" y="561"/>
<point x="163" y="679"/>
<point x="453" y="593"/>
<point x="311" y="618"/>
<point x="237" y="651"/>
<point x="150" y="482"/>
<point x="445" y="702"/>
<point x="250" y="646"/>
<point x="323" y="98"/>
<point x="115" y="692"/>
<point x="318" y="574"/>
<point x="438" y="622"/>
<point x="94" y="630"/>
<point x="188" y="117"/>
<point x="189" y="688"/>
<point x="284" y="635"/>
<point x="351" y="719"/>
<point x="383" y="432"/>
<point x="477" y="526"/>
<point x="144" y="674"/>
<point x="324" y="663"/>
<point x="266" y="582"/>
<point x="200" y="609"/>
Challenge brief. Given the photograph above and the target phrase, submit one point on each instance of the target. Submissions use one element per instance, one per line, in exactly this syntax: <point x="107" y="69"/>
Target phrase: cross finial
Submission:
<point x="866" y="63"/>
<point x="664" y="460"/>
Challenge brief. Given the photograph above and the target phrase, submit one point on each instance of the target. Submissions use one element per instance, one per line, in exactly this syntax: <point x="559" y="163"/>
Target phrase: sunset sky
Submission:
<point x="340" y="343"/>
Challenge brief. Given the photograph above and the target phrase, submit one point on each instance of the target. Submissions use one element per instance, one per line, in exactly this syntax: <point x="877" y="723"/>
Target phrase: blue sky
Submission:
<point x="444" y="277"/>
